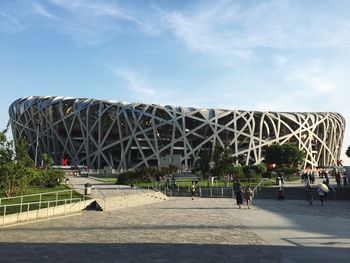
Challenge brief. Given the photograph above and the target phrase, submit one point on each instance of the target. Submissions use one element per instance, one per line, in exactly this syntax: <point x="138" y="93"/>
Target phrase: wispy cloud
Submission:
<point x="94" y="22"/>
<point x="9" y="23"/>
<point x="236" y="29"/>
<point x="135" y="82"/>
<point x="42" y="11"/>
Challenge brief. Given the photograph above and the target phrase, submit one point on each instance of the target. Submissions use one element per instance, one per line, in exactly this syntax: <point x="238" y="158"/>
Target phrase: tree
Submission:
<point x="259" y="168"/>
<point x="47" y="160"/>
<point x="14" y="169"/>
<point x="284" y="155"/>
<point x="203" y="163"/>
<point x="348" y="152"/>
<point x="217" y="162"/>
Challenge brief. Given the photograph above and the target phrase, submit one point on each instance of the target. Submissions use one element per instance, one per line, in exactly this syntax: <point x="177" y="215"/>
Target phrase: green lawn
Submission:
<point x="48" y="194"/>
<point x="204" y="183"/>
<point x="185" y="182"/>
<point x="105" y="179"/>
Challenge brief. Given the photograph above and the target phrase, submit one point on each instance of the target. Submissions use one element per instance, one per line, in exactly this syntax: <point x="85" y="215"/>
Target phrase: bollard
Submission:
<point x="222" y="192"/>
<point x="200" y="192"/>
<point x="211" y="191"/>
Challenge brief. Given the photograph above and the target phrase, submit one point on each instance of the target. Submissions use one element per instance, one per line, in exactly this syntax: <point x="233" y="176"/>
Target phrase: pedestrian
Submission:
<point x="236" y="186"/>
<point x="280" y="194"/>
<point x="249" y="194"/>
<point x="239" y="197"/>
<point x="326" y="182"/>
<point x="321" y="194"/>
<point x="337" y="179"/>
<point x="309" y="194"/>
<point x="193" y="190"/>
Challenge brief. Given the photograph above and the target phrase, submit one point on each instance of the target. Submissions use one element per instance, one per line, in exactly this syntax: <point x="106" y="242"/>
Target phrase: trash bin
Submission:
<point x="87" y="189"/>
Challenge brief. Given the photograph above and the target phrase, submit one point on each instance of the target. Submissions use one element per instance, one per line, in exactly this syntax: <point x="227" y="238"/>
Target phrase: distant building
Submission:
<point x="120" y="135"/>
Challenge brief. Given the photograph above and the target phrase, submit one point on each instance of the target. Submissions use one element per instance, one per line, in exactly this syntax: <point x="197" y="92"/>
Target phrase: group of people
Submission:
<point x="240" y="194"/>
<point x="308" y="177"/>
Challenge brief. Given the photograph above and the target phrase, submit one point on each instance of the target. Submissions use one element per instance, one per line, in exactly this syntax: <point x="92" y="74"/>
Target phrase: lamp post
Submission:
<point x="37" y="124"/>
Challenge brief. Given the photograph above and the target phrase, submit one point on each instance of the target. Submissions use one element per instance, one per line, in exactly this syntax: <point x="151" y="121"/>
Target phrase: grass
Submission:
<point x="204" y="183"/>
<point x="186" y="182"/>
<point x="105" y="179"/>
<point x="48" y="194"/>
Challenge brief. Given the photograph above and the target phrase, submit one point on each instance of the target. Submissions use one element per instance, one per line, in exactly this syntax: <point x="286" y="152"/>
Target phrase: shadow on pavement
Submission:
<point x="157" y="252"/>
<point x="57" y="252"/>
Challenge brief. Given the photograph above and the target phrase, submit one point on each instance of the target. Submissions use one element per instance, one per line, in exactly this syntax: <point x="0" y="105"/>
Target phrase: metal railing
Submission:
<point x="16" y="205"/>
<point x="29" y="208"/>
<point x="22" y="197"/>
<point x="257" y="188"/>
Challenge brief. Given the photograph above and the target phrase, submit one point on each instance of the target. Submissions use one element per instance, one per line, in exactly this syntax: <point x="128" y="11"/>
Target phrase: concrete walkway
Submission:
<point x="182" y="230"/>
<point x="107" y="189"/>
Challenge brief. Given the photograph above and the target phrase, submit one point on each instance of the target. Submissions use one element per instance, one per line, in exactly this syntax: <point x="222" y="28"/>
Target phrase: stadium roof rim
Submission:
<point x="54" y="99"/>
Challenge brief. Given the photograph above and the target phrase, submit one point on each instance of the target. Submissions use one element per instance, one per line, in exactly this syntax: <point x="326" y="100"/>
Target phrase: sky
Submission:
<point x="250" y="55"/>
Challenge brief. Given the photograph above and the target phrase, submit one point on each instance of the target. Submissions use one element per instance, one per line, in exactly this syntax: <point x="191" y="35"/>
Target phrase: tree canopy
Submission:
<point x="348" y="152"/>
<point x="14" y="165"/>
<point x="284" y="155"/>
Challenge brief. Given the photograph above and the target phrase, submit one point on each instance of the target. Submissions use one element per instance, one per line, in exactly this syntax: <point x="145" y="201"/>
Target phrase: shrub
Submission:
<point x="288" y="171"/>
<point x="237" y="171"/>
<point x="144" y="175"/>
<point x="269" y="174"/>
<point x="46" y="178"/>
<point x="259" y="168"/>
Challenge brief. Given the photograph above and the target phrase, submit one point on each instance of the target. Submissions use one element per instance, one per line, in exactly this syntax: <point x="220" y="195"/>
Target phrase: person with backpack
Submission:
<point x="321" y="195"/>
<point x="249" y="194"/>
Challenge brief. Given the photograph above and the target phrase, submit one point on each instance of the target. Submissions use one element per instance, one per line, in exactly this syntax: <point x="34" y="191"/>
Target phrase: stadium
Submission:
<point x="120" y="135"/>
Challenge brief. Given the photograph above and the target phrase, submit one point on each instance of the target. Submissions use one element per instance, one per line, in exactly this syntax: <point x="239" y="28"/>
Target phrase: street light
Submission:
<point x="37" y="124"/>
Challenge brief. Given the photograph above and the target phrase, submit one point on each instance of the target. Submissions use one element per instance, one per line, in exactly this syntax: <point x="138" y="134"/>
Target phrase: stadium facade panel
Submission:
<point x="100" y="133"/>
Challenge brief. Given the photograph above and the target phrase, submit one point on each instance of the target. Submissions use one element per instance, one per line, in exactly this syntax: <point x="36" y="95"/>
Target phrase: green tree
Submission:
<point x="259" y="168"/>
<point x="47" y="160"/>
<point x="348" y="152"/>
<point x="217" y="162"/>
<point x="284" y="155"/>
<point x="202" y="164"/>
<point x="273" y="154"/>
<point x="14" y="169"/>
<point x="237" y="171"/>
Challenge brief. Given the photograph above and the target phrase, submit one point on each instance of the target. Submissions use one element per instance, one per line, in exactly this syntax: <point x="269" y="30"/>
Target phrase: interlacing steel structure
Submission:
<point x="100" y="133"/>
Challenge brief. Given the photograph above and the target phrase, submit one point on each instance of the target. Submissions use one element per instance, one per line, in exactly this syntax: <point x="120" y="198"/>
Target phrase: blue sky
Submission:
<point x="251" y="55"/>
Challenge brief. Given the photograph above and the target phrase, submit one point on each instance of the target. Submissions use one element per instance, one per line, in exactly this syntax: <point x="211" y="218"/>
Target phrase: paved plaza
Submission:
<point x="182" y="230"/>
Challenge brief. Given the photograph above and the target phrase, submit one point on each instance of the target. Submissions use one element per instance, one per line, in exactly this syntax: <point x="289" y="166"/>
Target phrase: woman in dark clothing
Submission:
<point x="239" y="197"/>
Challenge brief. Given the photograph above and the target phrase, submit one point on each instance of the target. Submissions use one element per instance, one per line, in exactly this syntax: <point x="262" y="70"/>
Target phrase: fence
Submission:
<point x="39" y="206"/>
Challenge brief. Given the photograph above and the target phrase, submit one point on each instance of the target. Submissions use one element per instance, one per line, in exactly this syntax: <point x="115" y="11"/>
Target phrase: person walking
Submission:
<point x="239" y="197"/>
<point x="309" y="194"/>
<point x="193" y="189"/>
<point x="337" y="179"/>
<point x="249" y="194"/>
<point x="321" y="194"/>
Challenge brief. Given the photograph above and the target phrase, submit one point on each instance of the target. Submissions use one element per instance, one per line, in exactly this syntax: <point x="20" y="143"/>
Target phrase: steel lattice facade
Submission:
<point x="100" y="133"/>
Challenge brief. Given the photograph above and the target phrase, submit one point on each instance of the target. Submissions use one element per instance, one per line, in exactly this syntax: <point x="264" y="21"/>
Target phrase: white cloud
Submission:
<point x="95" y="22"/>
<point x="135" y="82"/>
<point x="9" y="23"/>
<point x="41" y="10"/>
<point x="198" y="33"/>
<point x="234" y="29"/>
